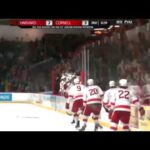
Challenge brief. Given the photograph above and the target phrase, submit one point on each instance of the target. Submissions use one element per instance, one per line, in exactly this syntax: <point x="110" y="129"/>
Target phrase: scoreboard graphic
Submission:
<point x="66" y="23"/>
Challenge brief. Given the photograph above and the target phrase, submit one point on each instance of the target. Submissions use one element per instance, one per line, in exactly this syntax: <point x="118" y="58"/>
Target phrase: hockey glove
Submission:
<point x="142" y="111"/>
<point x="106" y="109"/>
<point x="67" y="106"/>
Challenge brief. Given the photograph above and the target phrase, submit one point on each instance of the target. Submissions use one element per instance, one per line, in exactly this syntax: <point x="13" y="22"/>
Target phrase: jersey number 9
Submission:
<point x="78" y="88"/>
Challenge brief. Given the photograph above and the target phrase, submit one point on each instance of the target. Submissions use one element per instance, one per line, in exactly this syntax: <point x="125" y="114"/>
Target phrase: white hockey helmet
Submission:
<point x="63" y="77"/>
<point x="90" y="82"/>
<point x="76" y="80"/>
<point x="112" y="83"/>
<point x="123" y="82"/>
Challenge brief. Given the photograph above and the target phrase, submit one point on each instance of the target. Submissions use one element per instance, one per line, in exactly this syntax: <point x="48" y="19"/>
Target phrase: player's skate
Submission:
<point x="73" y="121"/>
<point x="78" y="124"/>
<point x="83" y="128"/>
<point x="97" y="126"/>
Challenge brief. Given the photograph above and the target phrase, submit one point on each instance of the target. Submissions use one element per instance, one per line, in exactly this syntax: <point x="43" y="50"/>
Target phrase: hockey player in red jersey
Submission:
<point x="92" y="100"/>
<point x="108" y="96"/>
<point x="120" y="104"/>
<point x="76" y="94"/>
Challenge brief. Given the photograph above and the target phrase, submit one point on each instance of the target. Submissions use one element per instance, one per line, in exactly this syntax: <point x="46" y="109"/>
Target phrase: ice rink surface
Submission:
<point x="28" y="117"/>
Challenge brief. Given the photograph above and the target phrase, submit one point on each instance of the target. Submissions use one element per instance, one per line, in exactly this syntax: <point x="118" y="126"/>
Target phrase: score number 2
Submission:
<point x="49" y="22"/>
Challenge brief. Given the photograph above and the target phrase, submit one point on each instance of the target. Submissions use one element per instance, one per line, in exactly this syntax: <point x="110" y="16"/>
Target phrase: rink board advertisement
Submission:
<point x="58" y="102"/>
<point x="21" y="97"/>
<point x="45" y="99"/>
<point x="54" y="101"/>
<point x="5" y="96"/>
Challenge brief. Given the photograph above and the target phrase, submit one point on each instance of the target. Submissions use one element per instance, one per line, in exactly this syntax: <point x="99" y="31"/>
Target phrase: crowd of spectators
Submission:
<point x="16" y="58"/>
<point x="120" y="58"/>
<point x="12" y="74"/>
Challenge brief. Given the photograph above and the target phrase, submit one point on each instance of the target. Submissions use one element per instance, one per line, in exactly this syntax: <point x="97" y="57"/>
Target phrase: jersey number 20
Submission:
<point x="93" y="91"/>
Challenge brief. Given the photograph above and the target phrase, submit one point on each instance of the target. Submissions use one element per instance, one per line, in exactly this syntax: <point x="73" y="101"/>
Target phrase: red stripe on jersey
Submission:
<point x="70" y="96"/>
<point x="112" y="103"/>
<point x="123" y="106"/>
<point x="105" y="103"/>
<point x="93" y="99"/>
<point x="135" y="101"/>
<point x="78" y="96"/>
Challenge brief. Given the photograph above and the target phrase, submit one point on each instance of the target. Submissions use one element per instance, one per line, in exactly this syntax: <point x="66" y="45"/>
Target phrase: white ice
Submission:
<point x="28" y="117"/>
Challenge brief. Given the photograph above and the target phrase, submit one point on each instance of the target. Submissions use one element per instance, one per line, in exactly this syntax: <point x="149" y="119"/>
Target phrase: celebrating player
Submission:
<point x="92" y="100"/>
<point x="120" y="105"/>
<point x="108" y="96"/>
<point x="76" y="94"/>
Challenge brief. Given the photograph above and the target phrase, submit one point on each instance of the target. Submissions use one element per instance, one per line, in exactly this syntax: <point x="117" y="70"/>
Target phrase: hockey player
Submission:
<point x="108" y="96"/>
<point x="120" y="105"/>
<point x="62" y="86"/>
<point x="136" y="90"/>
<point x="76" y="94"/>
<point x="146" y="93"/>
<point x="69" y="83"/>
<point x="92" y="100"/>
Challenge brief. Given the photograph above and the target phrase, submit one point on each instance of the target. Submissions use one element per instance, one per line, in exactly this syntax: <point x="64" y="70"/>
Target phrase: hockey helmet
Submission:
<point x="76" y="81"/>
<point x="90" y="82"/>
<point x="123" y="82"/>
<point x="112" y="83"/>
